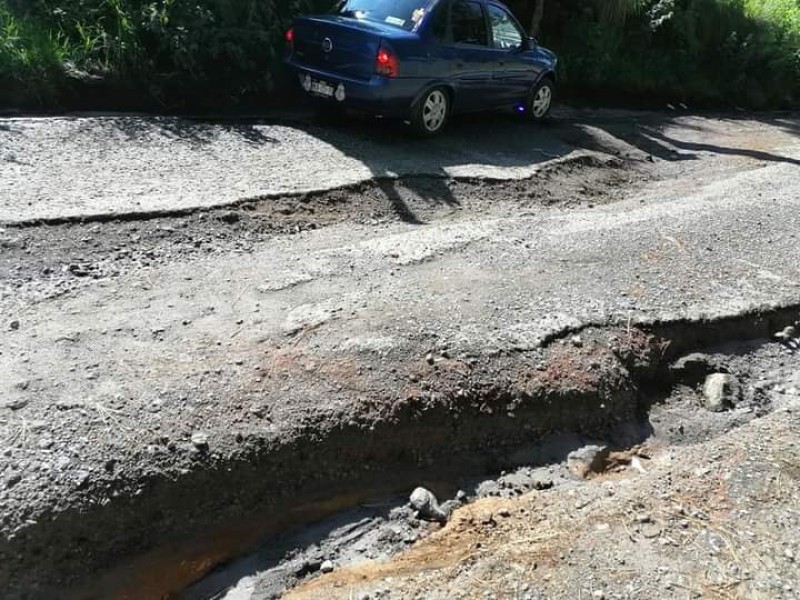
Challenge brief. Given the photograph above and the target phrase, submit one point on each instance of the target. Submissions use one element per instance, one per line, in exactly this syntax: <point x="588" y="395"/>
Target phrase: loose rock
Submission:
<point x="720" y="391"/>
<point x="230" y="217"/>
<point x="426" y="505"/>
<point x="587" y="460"/>
<point x="326" y="566"/>
<point x="200" y="440"/>
<point x="16" y="403"/>
<point x="693" y="368"/>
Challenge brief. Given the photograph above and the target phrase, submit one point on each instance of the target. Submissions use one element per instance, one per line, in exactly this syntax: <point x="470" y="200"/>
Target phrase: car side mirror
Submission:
<point x="532" y="43"/>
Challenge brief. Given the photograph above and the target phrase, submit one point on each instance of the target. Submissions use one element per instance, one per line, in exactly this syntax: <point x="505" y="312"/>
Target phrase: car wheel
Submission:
<point x="430" y="113"/>
<point x="541" y="99"/>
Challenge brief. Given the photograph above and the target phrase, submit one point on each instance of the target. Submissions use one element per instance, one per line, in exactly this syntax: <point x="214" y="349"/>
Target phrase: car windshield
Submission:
<point x="406" y="14"/>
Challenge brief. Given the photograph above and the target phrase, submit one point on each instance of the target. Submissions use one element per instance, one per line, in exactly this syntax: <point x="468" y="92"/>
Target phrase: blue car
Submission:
<point x="421" y="60"/>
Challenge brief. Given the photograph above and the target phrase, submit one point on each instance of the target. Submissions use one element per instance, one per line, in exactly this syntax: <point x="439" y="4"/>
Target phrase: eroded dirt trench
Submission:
<point x="189" y="387"/>
<point x="597" y="404"/>
<point x="538" y="489"/>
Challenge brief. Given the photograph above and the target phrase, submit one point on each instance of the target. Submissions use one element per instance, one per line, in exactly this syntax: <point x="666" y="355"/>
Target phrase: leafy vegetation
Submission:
<point x="212" y="54"/>
<point x="152" y="53"/>
<point x="708" y="52"/>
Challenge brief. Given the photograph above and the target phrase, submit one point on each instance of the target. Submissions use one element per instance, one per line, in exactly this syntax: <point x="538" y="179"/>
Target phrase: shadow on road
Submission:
<point x="714" y="149"/>
<point x="503" y="142"/>
<point x="648" y="133"/>
<point x="481" y="146"/>
<point x="477" y="146"/>
<point x="195" y="132"/>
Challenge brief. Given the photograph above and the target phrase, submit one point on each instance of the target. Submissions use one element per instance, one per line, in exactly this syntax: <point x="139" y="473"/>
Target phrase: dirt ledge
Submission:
<point x="453" y="415"/>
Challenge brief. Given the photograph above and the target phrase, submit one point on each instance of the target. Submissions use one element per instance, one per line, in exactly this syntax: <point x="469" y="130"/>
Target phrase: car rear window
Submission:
<point x="406" y="14"/>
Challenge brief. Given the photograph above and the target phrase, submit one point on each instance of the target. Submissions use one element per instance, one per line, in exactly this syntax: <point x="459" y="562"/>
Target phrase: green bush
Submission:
<point x="31" y="60"/>
<point x="703" y="52"/>
<point x="164" y="53"/>
<point x="213" y="54"/>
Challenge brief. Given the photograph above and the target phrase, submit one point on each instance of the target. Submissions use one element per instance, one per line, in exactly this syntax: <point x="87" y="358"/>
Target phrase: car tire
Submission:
<point x="541" y="99"/>
<point x="431" y="112"/>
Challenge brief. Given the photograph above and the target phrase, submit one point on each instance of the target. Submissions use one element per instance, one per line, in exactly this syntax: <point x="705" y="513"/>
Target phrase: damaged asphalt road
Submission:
<point x="153" y="396"/>
<point x="72" y="168"/>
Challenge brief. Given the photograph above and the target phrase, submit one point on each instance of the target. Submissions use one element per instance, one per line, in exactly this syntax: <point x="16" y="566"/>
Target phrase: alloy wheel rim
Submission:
<point x="541" y="103"/>
<point x="434" y="110"/>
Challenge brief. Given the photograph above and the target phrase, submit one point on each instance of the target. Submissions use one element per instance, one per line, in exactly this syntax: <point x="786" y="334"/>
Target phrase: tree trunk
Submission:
<point x="536" y="18"/>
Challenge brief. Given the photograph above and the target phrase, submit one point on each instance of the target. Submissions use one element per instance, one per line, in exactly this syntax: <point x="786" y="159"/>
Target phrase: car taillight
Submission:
<point x="385" y="63"/>
<point x="290" y="38"/>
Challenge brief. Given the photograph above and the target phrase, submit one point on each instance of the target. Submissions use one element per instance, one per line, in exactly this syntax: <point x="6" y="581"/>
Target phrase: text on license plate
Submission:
<point x="322" y="88"/>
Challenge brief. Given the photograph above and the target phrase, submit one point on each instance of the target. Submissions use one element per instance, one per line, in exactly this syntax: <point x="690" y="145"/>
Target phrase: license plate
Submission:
<point x="321" y="88"/>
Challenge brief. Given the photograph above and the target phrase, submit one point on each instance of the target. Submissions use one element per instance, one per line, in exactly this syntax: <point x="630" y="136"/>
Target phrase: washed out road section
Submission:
<point x="94" y="167"/>
<point x="160" y="372"/>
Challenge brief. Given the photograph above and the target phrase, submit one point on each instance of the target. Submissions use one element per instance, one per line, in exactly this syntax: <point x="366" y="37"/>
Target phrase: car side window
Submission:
<point x="505" y="32"/>
<point x="468" y="25"/>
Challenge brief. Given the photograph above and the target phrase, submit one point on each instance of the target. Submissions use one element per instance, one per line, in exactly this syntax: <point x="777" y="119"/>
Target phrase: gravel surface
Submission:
<point x="50" y="166"/>
<point x="142" y="356"/>
<point x="100" y="167"/>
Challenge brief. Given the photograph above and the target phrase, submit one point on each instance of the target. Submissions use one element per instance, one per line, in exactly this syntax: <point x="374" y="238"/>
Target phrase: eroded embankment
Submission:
<point x="461" y="416"/>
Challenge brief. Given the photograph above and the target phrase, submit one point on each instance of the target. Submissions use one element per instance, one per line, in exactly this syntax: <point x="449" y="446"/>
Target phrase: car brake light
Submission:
<point x="290" y="38"/>
<point x="385" y="63"/>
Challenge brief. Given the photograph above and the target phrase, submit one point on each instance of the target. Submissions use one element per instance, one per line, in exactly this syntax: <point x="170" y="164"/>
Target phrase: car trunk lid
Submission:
<point x="339" y="44"/>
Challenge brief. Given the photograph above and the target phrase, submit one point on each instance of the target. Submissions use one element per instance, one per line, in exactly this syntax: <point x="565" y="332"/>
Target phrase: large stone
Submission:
<point x="720" y="392"/>
<point x="426" y="505"/>
<point x="200" y="440"/>
<point x="588" y="460"/>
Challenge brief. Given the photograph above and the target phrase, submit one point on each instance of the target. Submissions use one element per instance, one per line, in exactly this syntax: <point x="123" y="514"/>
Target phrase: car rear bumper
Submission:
<point x="377" y="95"/>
